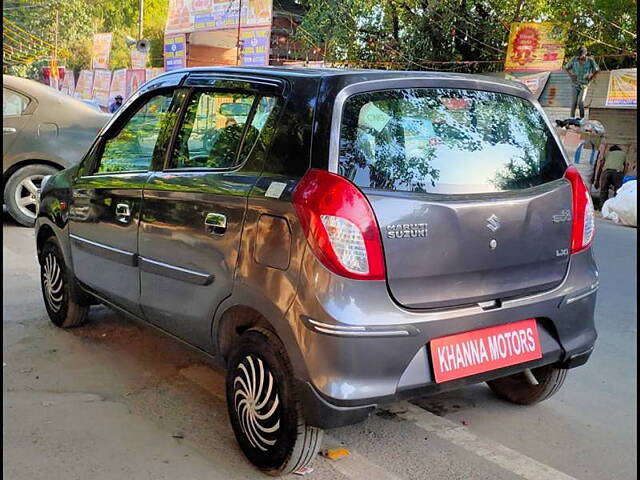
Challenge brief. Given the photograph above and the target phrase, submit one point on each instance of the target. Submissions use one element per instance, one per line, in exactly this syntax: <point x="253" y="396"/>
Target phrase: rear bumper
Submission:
<point x="320" y="412"/>
<point x="359" y="357"/>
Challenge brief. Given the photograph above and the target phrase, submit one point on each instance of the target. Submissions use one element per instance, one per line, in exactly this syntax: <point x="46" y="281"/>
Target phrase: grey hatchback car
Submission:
<point x="337" y="239"/>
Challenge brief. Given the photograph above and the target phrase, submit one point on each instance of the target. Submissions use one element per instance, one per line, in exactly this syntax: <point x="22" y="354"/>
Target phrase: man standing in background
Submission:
<point x="117" y="103"/>
<point x="582" y="69"/>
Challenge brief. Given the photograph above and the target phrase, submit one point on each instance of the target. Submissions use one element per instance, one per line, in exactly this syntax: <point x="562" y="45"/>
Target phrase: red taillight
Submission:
<point x="339" y="225"/>
<point x="583" y="223"/>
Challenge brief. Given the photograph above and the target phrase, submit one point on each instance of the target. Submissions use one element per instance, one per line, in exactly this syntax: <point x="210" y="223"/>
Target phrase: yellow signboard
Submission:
<point x="623" y="88"/>
<point x="535" y="47"/>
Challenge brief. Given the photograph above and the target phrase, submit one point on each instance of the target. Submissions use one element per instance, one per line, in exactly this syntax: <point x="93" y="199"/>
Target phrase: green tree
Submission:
<point x="419" y="34"/>
<point x="78" y="20"/>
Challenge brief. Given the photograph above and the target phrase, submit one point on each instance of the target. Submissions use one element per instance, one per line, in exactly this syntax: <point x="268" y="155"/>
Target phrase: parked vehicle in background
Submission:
<point x="338" y="239"/>
<point x="43" y="131"/>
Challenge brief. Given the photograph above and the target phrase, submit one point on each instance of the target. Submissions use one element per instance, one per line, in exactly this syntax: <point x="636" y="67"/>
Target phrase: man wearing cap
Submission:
<point x="117" y="103"/>
<point x="582" y="69"/>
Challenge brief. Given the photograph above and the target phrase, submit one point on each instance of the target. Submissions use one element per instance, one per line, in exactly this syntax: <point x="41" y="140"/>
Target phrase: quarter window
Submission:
<point x="132" y="148"/>
<point x="13" y="103"/>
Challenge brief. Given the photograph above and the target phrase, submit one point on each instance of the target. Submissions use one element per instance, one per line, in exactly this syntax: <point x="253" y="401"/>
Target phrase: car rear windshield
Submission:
<point x="446" y="141"/>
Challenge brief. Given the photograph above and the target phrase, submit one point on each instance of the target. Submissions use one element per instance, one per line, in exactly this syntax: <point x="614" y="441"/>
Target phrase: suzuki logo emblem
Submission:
<point x="493" y="222"/>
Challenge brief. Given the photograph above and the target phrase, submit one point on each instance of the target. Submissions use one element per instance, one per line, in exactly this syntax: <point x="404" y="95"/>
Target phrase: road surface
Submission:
<point x="118" y="400"/>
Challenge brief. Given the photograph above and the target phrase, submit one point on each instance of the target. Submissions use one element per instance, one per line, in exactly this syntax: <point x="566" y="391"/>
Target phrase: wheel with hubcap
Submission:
<point x="263" y="408"/>
<point x="520" y="390"/>
<point x="21" y="192"/>
<point x="65" y="305"/>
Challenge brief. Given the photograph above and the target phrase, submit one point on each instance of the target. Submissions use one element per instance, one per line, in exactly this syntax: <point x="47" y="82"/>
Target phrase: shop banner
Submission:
<point x="118" y="84"/>
<point x="84" y="87"/>
<point x="175" y="52"/>
<point x="135" y="79"/>
<point x="185" y="16"/>
<point x="535" y="82"/>
<point x="101" y="50"/>
<point x="623" y="88"/>
<point x="255" y="46"/>
<point x="535" y="47"/>
<point x="152" y="72"/>
<point x="69" y="83"/>
<point x="138" y="59"/>
<point x="101" y="87"/>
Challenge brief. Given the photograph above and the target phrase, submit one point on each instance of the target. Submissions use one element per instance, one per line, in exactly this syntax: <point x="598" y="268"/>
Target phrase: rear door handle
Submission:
<point x="215" y="223"/>
<point x="123" y="213"/>
<point x="8" y="130"/>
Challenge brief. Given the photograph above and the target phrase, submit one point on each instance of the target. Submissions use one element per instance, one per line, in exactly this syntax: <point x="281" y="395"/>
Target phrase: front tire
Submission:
<point x="65" y="306"/>
<point x="20" y="192"/>
<point x="517" y="389"/>
<point x="263" y="407"/>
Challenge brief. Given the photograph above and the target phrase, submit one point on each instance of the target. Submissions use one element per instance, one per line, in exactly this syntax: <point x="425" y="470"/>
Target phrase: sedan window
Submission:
<point x="13" y="103"/>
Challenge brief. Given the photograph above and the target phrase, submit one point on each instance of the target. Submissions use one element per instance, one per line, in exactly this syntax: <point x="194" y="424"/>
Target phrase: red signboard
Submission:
<point x="478" y="351"/>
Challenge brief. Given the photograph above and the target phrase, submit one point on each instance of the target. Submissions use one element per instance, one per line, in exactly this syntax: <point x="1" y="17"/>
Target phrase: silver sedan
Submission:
<point x="43" y="131"/>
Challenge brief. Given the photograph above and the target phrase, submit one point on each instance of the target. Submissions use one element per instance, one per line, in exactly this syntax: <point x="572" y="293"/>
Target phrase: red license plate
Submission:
<point x="478" y="351"/>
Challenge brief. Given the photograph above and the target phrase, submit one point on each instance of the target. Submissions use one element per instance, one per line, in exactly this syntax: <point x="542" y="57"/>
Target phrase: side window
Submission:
<point x="211" y="131"/>
<point x="13" y="103"/>
<point x="213" y="126"/>
<point x="132" y="148"/>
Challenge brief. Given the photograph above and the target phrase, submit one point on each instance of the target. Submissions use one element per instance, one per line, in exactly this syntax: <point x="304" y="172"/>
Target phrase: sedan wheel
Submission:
<point x="26" y="195"/>
<point x="21" y="192"/>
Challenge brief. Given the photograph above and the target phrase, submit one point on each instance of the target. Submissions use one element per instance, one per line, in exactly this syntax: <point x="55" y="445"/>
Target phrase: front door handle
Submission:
<point x="123" y="213"/>
<point x="8" y="130"/>
<point x="215" y="223"/>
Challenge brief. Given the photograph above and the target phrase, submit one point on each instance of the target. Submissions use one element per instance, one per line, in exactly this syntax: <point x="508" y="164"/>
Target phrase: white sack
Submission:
<point x="622" y="208"/>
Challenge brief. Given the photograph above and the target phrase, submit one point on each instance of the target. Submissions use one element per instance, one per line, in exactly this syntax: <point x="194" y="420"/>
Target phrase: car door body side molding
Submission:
<point x="133" y="259"/>
<point x="115" y="254"/>
<point x="178" y="273"/>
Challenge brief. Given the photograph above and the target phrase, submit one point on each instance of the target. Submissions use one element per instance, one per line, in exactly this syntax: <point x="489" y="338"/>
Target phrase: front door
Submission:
<point x="106" y="204"/>
<point x="194" y="209"/>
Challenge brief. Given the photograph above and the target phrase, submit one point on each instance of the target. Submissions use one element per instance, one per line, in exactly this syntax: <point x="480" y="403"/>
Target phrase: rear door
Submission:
<point x="17" y="110"/>
<point x="107" y="197"/>
<point x="194" y="209"/>
<point x="468" y="189"/>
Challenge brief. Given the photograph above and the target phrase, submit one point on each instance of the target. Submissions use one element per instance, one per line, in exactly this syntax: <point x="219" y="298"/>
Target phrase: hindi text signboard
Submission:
<point x="101" y="50"/>
<point x="101" y="87"/>
<point x="84" y="87"/>
<point x="535" y="47"/>
<point x="185" y="16"/>
<point x="175" y="52"/>
<point x="623" y="88"/>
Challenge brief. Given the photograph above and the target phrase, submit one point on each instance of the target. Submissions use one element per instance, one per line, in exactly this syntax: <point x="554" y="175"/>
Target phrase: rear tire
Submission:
<point x="517" y="389"/>
<point x="20" y="192"/>
<point x="263" y="407"/>
<point x="66" y="306"/>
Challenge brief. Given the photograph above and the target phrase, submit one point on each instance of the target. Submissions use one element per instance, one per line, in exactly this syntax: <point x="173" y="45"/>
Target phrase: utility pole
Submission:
<point x="141" y="10"/>
<point x="55" y="49"/>
<point x="238" y="43"/>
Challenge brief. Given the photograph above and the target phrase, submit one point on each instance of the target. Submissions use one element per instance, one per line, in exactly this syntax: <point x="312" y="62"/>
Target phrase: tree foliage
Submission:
<point x="409" y="34"/>
<point x="419" y="34"/>
<point x="78" y="20"/>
